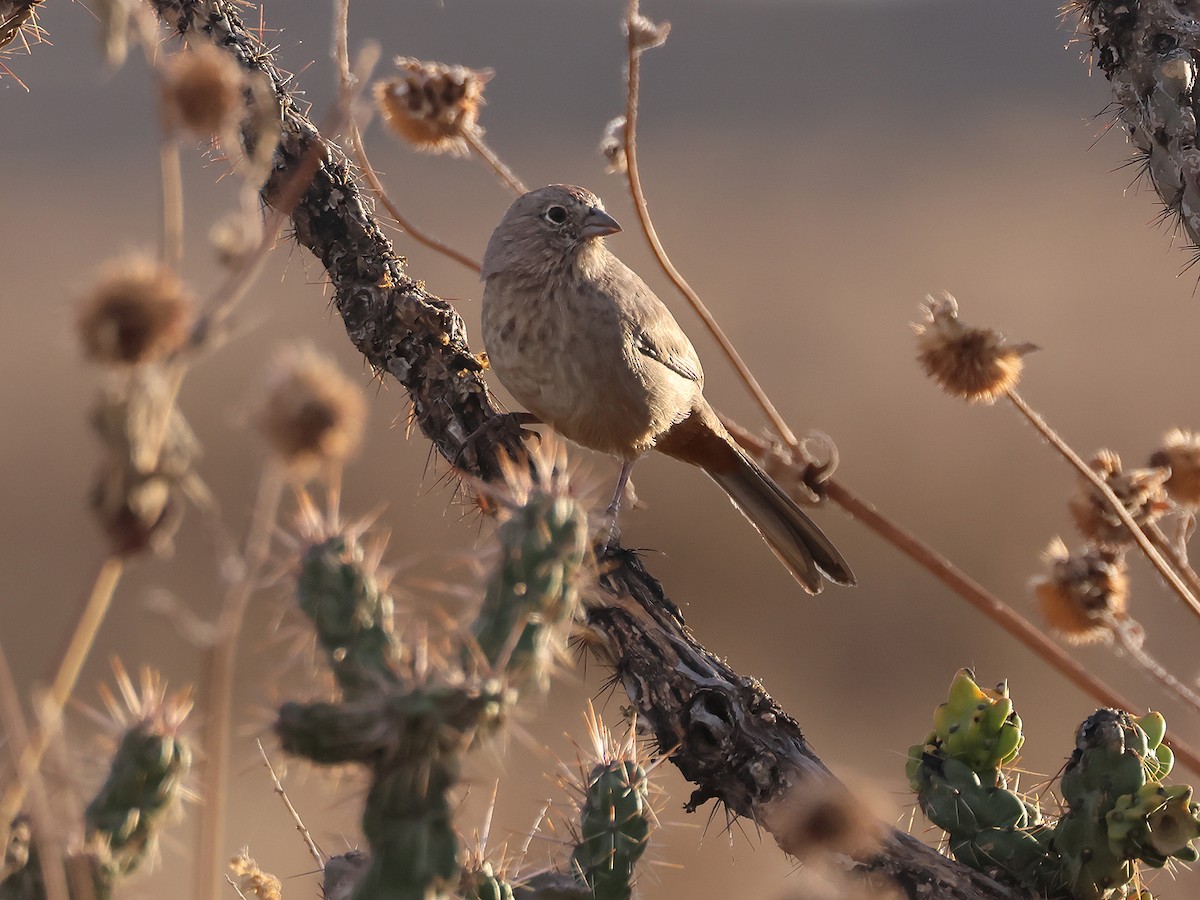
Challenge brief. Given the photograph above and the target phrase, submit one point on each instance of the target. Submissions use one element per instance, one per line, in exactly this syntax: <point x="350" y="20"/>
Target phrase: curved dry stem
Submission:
<point x="474" y="139"/>
<point x="368" y="171"/>
<point x="1128" y="635"/>
<point x="1156" y="559"/>
<point x="341" y="52"/>
<point x="220" y="664"/>
<point x="660" y="254"/>
<point x="82" y="638"/>
<point x="994" y="608"/>
<point x="1174" y="555"/>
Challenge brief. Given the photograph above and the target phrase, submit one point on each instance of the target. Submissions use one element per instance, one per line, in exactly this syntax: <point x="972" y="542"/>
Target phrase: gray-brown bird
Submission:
<point x="579" y="339"/>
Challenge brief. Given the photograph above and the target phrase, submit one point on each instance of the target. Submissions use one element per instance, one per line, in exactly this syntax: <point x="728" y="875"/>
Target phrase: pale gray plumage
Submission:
<point x="579" y="339"/>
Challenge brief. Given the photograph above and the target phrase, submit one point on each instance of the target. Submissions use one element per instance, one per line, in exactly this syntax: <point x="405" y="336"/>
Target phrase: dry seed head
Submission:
<point x="1085" y="594"/>
<point x="202" y="90"/>
<point x="976" y="364"/>
<point x="1141" y="492"/>
<point x="1180" y="452"/>
<point x="824" y="819"/>
<point x="612" y="146"/>
<point x="253" y="881"/>
<point x="313" y="416"/>
<point x="433" y="106"/>
<point x="138" y="312"/>
<point x="645" y="33"/>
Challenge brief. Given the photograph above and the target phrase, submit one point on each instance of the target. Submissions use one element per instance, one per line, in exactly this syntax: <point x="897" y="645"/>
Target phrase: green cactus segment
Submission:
<point x="533" y="594"/>
<point x="143" y="783"/>
<point x="482" y="883"/>
<point x="350" y="613"/>
<point x="408" y="821"/>
<point x="614" y="828"/>
<point x="1118" y="812"/>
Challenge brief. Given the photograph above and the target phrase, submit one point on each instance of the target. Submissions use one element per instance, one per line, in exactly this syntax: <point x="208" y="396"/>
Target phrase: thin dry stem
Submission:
<point x="368" y="171"/>
<point x="995" y="609"/>
<point x="1175" y="555"/>
<point x="1130" y="642"/>
<point x="221" y="667"/>
<point x="313" y="849"/>
<point x="172" y="200"/>
<point x="474" y="139"/>
<point x="80" y="645"/>
<point x="49" y="839"/>
<point x="341" y="52"/>
<point x="639" y="203"/>
<point x="1156" y="559"/>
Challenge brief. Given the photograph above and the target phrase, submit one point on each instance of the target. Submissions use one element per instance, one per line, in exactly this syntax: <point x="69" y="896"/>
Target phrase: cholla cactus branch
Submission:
<point x="1146" y="49"/>
<point x="420" y="340"/>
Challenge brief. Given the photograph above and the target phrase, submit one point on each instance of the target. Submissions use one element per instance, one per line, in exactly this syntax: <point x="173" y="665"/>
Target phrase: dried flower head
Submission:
<point x="433" y="106"/>
<point x="1180" y="452"/>
<point x="976" y="364"/>
<point x="203" y="90"/>
<point x="1139" y="490"/>
<point x="646" y="34"/>
<point x="313" y="416"/>
<point x="1085" y="594"/>
<point x="253" y="881"/>
<point x="138" y="312"/>
<point x="612" y="146"/>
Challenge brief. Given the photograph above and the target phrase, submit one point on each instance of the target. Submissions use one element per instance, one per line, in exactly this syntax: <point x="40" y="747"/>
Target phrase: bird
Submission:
<point x="581" y="341"/>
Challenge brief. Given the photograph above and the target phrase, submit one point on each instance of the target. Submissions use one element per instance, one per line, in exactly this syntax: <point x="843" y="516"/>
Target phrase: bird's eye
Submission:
<point x="555" y="215"/>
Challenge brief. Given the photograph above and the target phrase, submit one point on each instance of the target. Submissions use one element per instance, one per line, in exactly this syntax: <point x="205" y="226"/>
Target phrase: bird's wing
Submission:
<point x="654" y="331"/>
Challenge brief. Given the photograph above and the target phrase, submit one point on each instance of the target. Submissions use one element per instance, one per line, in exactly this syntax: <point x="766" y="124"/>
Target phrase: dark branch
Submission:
<point x="723" y="730"/>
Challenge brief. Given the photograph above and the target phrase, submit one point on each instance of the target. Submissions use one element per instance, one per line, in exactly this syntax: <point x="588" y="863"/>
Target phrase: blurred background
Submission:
<point x="814" y="168"/>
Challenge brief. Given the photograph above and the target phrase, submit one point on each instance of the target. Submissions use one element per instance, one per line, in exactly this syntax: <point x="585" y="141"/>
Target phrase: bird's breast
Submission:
<point x="567" y="359"/>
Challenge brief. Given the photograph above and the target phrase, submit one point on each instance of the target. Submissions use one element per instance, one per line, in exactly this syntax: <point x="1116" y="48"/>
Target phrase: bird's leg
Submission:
<point x="520" y="418"/>
<point x="615" y="506"/>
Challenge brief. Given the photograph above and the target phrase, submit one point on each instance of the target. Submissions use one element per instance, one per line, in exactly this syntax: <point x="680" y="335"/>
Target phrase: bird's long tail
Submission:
<point x="800" y="545"/>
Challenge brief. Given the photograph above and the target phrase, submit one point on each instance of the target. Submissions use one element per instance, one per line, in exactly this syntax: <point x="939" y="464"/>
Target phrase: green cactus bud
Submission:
<point x="532" y="595"/>
<point x="1154" y="824"/>
<point x="614" y="828"/>
<point x="978" y="726"/>
<point x="482" y="883"/>
<point x="351" y="615"/>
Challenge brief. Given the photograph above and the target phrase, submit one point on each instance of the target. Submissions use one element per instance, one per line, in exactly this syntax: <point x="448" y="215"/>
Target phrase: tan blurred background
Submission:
<point x="814" y="168"/>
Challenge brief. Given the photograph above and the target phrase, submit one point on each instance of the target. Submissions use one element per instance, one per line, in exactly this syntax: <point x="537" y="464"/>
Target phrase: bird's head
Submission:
<point x="546" y="228"/>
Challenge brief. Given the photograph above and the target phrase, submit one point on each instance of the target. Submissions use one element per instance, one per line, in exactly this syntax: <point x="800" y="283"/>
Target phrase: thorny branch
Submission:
<point x="726" y="733"/>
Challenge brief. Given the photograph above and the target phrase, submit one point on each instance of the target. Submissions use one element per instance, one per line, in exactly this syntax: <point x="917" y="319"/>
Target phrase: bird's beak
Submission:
<point x="598" y="223"/>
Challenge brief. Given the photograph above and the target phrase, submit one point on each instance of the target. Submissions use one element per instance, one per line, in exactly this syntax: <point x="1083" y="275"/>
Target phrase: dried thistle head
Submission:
<point x="612" y="146"/>
<point x="313" y="416"/>
<point x="1140" y="491"/>
<point x="139" y="311"/>
<point x="253" y="881"/>
<point x="1085" y="594"/>
<point x="203" y="90"/>
<point x="646" y="34"/>
<point x="431" y="105"/>
<point x="976" y="364"/>
<point x="1180" y="452"/>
